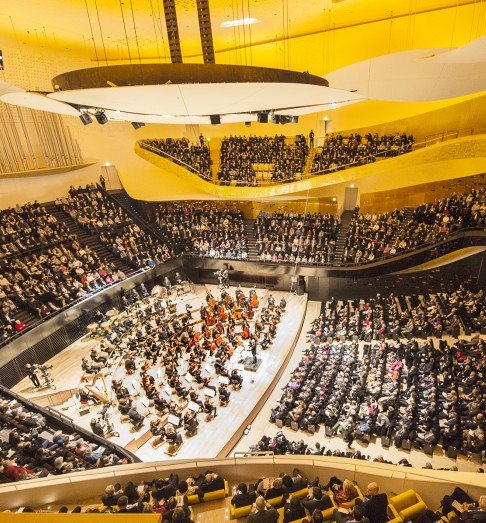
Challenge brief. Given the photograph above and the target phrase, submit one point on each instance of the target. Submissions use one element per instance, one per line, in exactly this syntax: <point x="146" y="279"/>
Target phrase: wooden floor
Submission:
<point x="211" y="436"/>
<point x="262" y="426"/>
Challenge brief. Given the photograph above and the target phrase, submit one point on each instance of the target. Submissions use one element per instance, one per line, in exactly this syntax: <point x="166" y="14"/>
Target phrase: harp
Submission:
<point x="98" y="388"/>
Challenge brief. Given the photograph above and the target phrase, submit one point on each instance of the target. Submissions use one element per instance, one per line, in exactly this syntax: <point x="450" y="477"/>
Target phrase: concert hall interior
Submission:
<point x="243" y="261"/>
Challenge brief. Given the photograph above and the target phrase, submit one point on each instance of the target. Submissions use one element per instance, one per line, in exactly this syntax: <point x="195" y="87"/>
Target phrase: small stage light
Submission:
<point x="137" y="125"/>
<point x="262" y="117"/>
<point x="85" y="118"/>
<point x="101" y="117"/>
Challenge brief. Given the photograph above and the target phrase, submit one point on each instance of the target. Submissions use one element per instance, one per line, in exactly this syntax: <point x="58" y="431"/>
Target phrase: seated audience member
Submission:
<point x="317" y="499"/>
<point x="294" y="510"/>
<point x="263" y="512"/>
<point x="111" y="496"/>
<point x="276" y="490"/>
<point x="346" y="493"/>
<point x="316" y="517"/>
<point x="475" y="513"/>
<point x="375" y="504"/>
<point x="243" y="498"/>
<point x="211" y="483"/>
<point x="356" y="515"/>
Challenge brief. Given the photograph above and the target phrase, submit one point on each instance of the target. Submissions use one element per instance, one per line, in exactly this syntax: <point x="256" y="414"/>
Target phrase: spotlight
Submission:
<point x="295" y="119"/>
<point x="101" y="117"/>
<point x="262" y="117"/>
<point x="275" y="118"/>
<point x="248" y="124"/>
<point x="137" y="125"/>
<point x="215" y="119"/>
<point x="85" y="118"/>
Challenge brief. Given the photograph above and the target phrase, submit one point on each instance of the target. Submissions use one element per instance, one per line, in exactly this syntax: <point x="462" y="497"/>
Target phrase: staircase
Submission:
<point x="85" y="238"/>
<point x="252" y="246"/>
<point x="342" y="236"/>
<point x="214" y="154"/>
<point x="309" y="161"/>
<point x="25" y="316"/>
<point x="399" y="233"/>
<point x="134" y="209"/>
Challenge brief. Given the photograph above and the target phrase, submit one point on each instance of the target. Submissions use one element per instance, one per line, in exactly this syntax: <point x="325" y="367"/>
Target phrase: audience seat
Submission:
<point x="350" y="504"/>
<point x="300" y="494"/>
<point x="210" y="496"/>
<point x="328" y="514"/>
<point x="275" y="501"/>
<point x="240" y="512"/>
<point x="407" y="505"/>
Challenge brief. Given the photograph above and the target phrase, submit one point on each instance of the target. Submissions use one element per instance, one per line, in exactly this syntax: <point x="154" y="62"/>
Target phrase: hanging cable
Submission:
<point x="234" y="34"/>
<point x="390" y="32"/>
<point x="125" y="29"/>
<point x="136" y="36"/>
<point x="155" y="29"/>
<point x="92" y="33"/>
<point x="243" y="28"/>
<point x="284" y="42"/>
<point x="101" y="31"/>
<point x="288" y="36"/>
<point x="249" y="32"/>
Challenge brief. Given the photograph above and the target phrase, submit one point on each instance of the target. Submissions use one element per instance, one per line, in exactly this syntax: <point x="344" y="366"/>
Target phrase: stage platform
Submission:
<point x="212" y="437"/>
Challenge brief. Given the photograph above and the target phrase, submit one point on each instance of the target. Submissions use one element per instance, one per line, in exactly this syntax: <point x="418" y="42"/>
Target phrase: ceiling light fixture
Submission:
<point x="101" y="117"/>
<point x="241" y="21"/>
<point x="85" y="118"/>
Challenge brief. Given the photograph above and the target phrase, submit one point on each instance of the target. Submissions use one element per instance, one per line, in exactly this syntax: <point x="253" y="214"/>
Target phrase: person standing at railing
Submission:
<point x="201" y="140"/>
<point x="311" y="139"/>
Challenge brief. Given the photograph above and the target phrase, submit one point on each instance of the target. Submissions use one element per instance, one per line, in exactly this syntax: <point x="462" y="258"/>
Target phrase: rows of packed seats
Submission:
<point x="340" y="152"/>
<point x="190" y="155"/>
<point x="416" y="393"/>
<point x="94" y="210"/>
<point x="239" y="155"/>
<point x="374" y="236"/>
<point x="296" y="238"/>
<point x="31" y="447"/>
<point x="203" y="229"/>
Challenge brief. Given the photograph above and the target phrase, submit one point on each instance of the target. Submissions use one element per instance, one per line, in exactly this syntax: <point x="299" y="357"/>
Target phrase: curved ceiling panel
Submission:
<point x="411" y="76"/>
<point x="205" y="99"/>
<point x="472" y="53"/>
<point x="38" y="101"/>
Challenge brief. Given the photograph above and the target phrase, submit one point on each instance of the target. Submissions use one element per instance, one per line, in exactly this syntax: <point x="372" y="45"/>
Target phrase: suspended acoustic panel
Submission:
<point x="172" y="31"/>
<point x="205" y="31"/>
<point x="148" y="92"/>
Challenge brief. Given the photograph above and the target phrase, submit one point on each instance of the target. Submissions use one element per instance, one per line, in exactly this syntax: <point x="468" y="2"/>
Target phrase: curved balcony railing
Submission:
<point x="63" y="309"/>
<point x="82" y="488"/>
<point x="390" y="263"/>
<point x="266" y="183"/>
<point x="392" y="153"/>
<point x="424" y="246"/>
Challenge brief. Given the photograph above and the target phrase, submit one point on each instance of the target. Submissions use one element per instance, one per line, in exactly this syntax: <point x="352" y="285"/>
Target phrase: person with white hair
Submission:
<point x="262" y="512"/>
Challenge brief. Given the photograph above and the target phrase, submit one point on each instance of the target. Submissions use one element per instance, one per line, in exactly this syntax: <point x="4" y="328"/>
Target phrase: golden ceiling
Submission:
<point x="137" y="27"/>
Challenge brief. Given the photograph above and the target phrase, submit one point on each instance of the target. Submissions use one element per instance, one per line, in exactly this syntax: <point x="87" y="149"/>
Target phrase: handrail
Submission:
<point x="71" y="304"/>
<point x="331" y="265"/>
<point x="65" y="420"/>
<point x="424" y="244"/>
<point x="441" y="137"/>
<point x="451" y="135"/>
<point x="253" y="453"/>
<point x="82" y="486"/>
